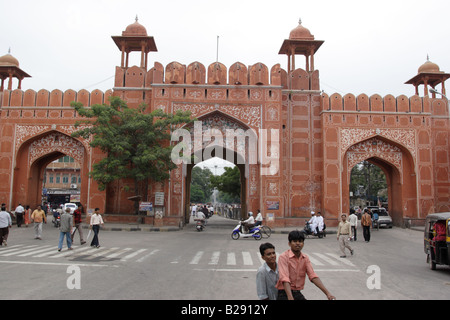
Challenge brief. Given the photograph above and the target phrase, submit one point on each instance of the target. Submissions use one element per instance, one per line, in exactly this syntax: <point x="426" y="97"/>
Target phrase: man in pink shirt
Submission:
<point x="293" y="266"/>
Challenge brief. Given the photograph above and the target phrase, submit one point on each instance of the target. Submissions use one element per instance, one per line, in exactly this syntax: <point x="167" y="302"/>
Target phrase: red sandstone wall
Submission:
<point x="426" y="154"/>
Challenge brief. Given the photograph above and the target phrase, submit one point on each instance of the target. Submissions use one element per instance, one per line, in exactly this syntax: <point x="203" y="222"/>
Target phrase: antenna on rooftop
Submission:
<point x="217" y="51"/>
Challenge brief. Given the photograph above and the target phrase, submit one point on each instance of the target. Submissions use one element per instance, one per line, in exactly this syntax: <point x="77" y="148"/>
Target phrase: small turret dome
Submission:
<point x="429" y="67"/>
<point x="9" y="60"/>
<point x="300" y="33"/>
<point x="135" y="29"/>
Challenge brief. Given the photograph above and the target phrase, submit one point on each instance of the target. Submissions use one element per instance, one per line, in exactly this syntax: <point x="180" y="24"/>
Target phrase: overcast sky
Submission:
<point x="370" y="46"/>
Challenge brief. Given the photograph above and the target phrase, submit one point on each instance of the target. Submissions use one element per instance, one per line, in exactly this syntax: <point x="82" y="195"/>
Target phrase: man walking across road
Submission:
<point x="293" y="267"/>
<point x="65" y="230"/>
<point x="96" y="222"/>
<point x="366" y="222"/>
<point x="77" y="223"/>
<point x="5" y="224"/>
<point x="38" y="217"/>
<point x="344" y="233"/>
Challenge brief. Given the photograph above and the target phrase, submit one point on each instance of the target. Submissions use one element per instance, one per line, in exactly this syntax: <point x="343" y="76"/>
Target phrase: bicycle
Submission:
<point x="265" y="231"/>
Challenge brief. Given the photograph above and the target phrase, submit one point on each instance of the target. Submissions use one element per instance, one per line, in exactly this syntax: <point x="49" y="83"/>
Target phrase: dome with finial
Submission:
<point x="9" y="60"/>
<point x="300" y="33"/>
<point x="429" y="67"/>
<point x="135" y="29"/>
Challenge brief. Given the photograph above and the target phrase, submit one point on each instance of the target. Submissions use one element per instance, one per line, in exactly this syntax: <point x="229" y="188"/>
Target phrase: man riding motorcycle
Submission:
<point x="249" y="223"/>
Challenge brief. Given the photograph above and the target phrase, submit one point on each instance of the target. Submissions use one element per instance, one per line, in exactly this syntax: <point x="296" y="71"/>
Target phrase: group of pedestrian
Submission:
<point x="69" y="225"/>
<point x="23" y="215"/>
<point x="286" y="279"/>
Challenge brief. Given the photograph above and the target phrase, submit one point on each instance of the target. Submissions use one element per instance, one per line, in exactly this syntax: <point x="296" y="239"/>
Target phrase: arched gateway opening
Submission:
<point x="221" y="136"/>
<point x="32" y="160"/>
<point x="397" y="165"/>
<point x="243" y="181"/>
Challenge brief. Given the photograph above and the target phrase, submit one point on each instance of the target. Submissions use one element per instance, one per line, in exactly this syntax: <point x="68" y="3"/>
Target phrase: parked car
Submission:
<point x="384" y="219"/>
<point x="71" y="206"/>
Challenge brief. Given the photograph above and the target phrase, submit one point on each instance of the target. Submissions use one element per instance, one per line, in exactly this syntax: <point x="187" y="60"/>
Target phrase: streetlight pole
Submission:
<point x="432" y="90"/>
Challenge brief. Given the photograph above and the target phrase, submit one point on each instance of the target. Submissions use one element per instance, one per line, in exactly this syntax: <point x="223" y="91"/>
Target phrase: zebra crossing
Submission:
<point x="82" y="253"/>
<point x="203" y="258"/>
<point x="247" y="258"/>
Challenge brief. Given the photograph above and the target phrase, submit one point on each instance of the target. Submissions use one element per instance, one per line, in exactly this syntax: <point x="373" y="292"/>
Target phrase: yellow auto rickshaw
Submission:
<point x="437" y="239"/>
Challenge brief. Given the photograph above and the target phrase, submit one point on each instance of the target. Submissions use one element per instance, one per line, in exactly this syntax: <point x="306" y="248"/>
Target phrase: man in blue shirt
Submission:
<point x="267" y="276"/>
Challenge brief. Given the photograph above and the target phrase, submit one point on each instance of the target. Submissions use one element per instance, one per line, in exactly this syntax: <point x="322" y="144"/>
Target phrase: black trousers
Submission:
<point x="295" y="293"/>
<point x="366" y="233"/>
<point x="96" y="229"/>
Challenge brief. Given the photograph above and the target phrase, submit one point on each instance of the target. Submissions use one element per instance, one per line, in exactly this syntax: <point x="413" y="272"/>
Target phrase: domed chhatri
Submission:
<point x="9" y="69"/>
<point x="135" y="38"/>
<point x="300" y="42"/>
<point x="429" y="75"/>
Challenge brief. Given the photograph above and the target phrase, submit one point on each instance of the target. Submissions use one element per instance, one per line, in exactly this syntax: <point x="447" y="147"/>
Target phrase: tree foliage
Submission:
<point x="367" y="180"/>
<point x="136" y="143"/>
<point x="201" y="188"/>
<point x="229" y="182"/>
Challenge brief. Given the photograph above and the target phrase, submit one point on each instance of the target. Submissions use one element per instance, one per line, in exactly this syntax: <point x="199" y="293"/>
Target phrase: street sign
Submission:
<point x="159" y="198"/>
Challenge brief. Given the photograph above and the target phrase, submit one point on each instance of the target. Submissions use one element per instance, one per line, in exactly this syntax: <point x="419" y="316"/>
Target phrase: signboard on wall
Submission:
<point x="159" y="198"/>
<point x="272" y="205"/>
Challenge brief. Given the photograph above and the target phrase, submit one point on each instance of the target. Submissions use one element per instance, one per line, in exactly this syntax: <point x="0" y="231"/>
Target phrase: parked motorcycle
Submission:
<point x="307" y="230"/>
<point x="254" y="232"/>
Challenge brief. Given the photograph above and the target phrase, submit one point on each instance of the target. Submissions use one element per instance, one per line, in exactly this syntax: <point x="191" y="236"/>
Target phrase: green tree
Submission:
<point x="201" y="188"/>
<point x="229" y="182"/>
<point x="136" y="143"/>
<point x="370" y="177"/>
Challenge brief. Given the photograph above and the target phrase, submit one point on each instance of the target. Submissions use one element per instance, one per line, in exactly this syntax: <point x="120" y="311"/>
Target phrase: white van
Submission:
<point x="71" y="206"/>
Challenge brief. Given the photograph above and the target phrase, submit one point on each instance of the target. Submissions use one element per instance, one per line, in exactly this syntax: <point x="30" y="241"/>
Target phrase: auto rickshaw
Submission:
<point x="437" y="239"/>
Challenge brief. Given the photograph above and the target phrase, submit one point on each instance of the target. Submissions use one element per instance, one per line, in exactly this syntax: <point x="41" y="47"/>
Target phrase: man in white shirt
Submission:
<point x="313" y="222"/>
<point x="19" y="214"/>
<point x="249" y="223"/>
<point x="319" y="221"/>
<point x="259" y="218"/>
<point x="194" y="210"/>
<point x="353" y="219"/>
<point x="5" y="224"/>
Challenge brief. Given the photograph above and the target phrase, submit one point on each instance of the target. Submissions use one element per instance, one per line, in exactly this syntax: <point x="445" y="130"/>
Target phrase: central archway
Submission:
<point x="219" y="135"/>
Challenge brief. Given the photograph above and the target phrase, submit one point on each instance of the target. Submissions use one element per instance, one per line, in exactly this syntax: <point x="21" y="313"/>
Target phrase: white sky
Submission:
<point x="370" y="46"/>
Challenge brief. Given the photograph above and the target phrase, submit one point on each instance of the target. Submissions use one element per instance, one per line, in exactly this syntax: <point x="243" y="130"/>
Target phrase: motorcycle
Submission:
<point x="307" y="230"/>
<point x="201" y="224"/>
<point x="56" y="219"/>
<point x="254" y="232"/>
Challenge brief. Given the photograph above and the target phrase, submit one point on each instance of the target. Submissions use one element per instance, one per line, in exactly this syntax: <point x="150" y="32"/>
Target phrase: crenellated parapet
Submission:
<point x="197" y="73"/>
<point x="54" y="98"/>
<point x="388" y="104"/>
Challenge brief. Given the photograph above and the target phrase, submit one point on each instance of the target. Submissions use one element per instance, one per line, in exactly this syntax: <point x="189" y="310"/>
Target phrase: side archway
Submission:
<point x="398" y="166"/>
<point x="35" y="154"/>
